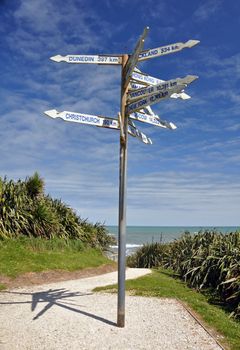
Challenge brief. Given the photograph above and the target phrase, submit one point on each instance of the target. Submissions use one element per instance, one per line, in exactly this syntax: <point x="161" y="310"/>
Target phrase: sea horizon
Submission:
<point x="136" y="236"/>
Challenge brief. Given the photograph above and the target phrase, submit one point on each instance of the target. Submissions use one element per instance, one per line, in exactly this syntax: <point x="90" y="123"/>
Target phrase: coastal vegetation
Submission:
<point x="40" y="233"/>
<point x="25" y="211"/>
<point x="208" y="262"/>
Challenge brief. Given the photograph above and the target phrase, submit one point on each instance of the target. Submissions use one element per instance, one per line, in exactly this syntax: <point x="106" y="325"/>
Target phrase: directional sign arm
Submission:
<point x="146" y="80"/>
<point x="165" y="50"/>
<point x="91" y="59"/>
<point x="181" y="95"/>
<point x="133" y="59"/>
<point x="146" y="115"/>
<point x="132" y="130"/>
<point x="98" y="121"/>
<point x="152" y="99"/>
<point x="148" y="110"/>
<point x="150" y="90"/>
<point x="153" y="120"/>
<point x="76" y="117"/>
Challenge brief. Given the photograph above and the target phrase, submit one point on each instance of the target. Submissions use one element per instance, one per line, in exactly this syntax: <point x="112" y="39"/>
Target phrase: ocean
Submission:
<point x="138" y="235"/>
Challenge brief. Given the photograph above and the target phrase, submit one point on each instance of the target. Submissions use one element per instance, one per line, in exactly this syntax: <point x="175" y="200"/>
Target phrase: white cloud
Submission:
<point x="207" y="9"/>
<point x="187" y="196"/>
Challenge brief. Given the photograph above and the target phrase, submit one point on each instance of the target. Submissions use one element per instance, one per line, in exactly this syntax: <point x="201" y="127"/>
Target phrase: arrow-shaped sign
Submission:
<point x="147" y="80"/>
<point x="99" y="121"/>
<point x="132" y="130"/>
<point x="96" y="59"/>
<point x="133" y="59"/>
<point x="149" y="112"/>
<point x="76" y="117"/>
<point x="182" y="95"/>
<point x="165" y="50"/>
<point x="154" y="120"/>
<point x="138" y="134"/>
<point x="152" y="99"/>
<point x="144" y="78"/>
<point x="146" y="91"/>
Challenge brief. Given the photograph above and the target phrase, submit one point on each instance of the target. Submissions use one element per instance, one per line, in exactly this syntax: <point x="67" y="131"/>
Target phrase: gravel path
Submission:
<point x="67" y="315"/>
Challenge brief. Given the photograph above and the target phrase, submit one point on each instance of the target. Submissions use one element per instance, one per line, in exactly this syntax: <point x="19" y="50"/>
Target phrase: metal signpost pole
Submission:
<point x="122" y="201"/>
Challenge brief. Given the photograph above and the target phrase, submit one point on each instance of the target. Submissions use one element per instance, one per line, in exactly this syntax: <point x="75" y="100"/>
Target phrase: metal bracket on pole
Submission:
<point x="122" y="134"/>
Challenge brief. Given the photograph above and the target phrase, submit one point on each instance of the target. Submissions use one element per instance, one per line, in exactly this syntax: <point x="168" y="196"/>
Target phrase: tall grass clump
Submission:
<point x="26" y="211"/>
<point x="148" y="256"/>
<point x="208" y="261"/>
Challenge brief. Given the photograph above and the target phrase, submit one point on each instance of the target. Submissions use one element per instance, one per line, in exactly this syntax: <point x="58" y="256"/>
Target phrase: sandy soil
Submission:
<point x="36" y="278"/>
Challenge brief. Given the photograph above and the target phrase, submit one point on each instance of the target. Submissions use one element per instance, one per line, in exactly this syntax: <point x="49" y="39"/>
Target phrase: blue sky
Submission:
<point x="189" y="176"/>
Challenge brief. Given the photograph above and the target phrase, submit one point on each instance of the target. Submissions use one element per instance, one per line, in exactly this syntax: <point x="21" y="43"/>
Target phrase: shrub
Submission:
<point x="208" y="261"/>
<point x="26" y="211"/>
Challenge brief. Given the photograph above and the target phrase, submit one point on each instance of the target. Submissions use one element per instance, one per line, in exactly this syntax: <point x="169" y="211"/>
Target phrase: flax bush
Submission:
<point x="26" y="211"/>
<point x="207" y="261"/>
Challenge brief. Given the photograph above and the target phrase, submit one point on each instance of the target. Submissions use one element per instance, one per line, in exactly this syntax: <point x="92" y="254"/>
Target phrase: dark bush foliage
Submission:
<point x="208" y="261"/>
<point x="26" y="211"/>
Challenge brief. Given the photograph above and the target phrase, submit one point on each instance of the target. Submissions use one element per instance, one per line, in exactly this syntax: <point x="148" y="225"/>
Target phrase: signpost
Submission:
<point x="138" y="92"/>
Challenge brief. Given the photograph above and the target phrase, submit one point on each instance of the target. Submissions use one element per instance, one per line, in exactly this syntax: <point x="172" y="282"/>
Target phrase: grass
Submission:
<point x="161" y="283"/>
<point x="18" y="256"/>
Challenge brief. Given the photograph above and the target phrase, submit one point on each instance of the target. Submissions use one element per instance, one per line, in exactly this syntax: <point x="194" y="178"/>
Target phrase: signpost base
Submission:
<point x="121" y="320"/>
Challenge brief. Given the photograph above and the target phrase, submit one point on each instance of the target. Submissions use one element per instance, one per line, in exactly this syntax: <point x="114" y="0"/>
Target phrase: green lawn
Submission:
<point x="161" y="283"/>
<point x="18" y="256"/>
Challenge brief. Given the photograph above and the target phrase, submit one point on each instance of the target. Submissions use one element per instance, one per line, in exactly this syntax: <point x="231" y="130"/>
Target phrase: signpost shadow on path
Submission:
<point x="56" y="297"/>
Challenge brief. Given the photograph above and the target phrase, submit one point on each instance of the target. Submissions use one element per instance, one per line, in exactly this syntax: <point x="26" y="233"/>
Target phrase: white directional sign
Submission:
<point x="165" y="50"/>
<point x="132" y="130"/>
<point x="99" y="121"/>
<point x="147" y="110"/>
<point x="147" y="80"/>
<point x="146" y="118"/>
<point x="182" y="95"/>
<point x="96" y="59"/>
<point x="152" y="99"/>
<point x="132" y="61"/>
<point x="76" y="117"/>
<point x="133" y="86"/>
<point x="150" y="90"/>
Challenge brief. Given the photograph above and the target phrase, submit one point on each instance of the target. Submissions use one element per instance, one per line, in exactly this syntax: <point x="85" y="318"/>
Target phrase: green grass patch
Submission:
<point x="163" y="283"/>
<point x="18" y="256"/>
